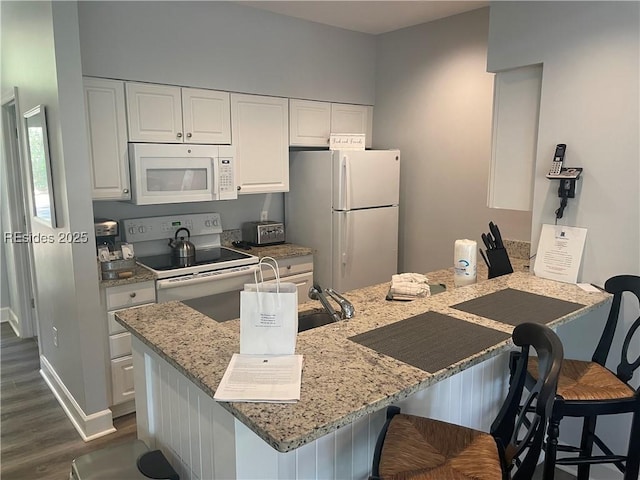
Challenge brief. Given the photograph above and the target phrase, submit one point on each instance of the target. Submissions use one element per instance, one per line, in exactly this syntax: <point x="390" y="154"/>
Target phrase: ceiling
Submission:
<point x="373" y="17"/>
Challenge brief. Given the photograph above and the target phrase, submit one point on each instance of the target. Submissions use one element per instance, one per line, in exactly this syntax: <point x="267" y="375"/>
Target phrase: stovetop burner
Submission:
<point x="209" y="256"/>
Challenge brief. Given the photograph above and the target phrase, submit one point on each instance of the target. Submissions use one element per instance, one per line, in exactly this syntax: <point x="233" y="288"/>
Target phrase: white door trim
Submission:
<point x="18" y="215"/>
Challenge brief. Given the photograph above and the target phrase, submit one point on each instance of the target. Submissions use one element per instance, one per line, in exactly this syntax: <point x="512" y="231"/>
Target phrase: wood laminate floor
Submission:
<point x="37" y="440"/>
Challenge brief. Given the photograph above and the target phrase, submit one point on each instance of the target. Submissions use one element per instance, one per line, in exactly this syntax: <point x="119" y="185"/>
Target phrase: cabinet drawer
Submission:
<point x="291" y="266"/>
<point x="130" y="295"/>
<point x="122" y="387"/>
<point x="303" y="282"/>
<point x="295" y="269"/>
<point x="114" y="327"/>
<point x="120" y="344"/>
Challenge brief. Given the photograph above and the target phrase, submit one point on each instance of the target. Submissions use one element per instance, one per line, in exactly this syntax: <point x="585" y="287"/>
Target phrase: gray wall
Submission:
<point x="590" y="101"/>
<point x="434" y="102"/>
<point x="41" y="56"/>
<point x="225" y="46"/>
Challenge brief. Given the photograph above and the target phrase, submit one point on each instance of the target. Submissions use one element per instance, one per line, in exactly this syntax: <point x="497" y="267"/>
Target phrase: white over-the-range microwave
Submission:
<point x="177" y="173"/>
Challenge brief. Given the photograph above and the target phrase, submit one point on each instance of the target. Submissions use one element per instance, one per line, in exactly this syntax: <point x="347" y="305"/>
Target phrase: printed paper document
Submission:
<point x="261" y="378"/>
<point x="560" y="253"/>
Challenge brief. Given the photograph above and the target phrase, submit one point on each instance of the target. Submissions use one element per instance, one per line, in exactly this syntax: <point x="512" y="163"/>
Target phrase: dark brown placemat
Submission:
<point x="515" y="307"/>
<point x="430" y="341"/>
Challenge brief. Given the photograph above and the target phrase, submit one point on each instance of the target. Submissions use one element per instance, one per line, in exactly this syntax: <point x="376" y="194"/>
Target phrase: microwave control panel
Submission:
<point x="226" y="178"/>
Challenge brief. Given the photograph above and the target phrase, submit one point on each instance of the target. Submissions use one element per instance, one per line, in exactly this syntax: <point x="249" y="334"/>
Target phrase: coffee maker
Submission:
<point x="106" y="232"/>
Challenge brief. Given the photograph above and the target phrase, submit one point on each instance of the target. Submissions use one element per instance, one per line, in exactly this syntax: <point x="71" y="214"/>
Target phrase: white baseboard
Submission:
<point x="89" y="427"/>
<point x="7" y="315"/>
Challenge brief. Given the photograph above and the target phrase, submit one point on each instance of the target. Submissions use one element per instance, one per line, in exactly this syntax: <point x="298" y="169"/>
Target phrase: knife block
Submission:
<point x="499" y="261"/>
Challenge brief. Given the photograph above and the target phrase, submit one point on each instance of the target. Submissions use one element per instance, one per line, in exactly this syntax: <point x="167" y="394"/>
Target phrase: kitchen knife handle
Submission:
<point x="492" y="242"/>
<point x="496" y="234"/>
<point x="485" y="240"/>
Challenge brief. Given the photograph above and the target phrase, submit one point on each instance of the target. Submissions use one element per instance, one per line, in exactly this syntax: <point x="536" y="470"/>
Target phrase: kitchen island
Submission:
<point x="180" y="356"/>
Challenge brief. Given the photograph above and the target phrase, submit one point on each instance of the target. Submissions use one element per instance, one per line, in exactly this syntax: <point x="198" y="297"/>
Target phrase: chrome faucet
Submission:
<point x="318" y="293"/>
<point x="345" y="305"/>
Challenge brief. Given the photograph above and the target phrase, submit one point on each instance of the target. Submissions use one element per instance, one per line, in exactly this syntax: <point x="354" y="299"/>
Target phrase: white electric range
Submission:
<point x="217" y="273"/>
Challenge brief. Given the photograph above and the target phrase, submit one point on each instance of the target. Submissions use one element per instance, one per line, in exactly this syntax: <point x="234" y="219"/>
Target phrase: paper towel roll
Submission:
<point x="464" y="262"/>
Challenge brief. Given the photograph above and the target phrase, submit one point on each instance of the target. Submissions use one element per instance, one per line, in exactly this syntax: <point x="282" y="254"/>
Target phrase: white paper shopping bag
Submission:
<point x="268" y="315"/>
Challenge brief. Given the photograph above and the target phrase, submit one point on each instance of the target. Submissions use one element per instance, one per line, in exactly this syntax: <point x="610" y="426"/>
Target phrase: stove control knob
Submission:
<point x="132" y="230"/>
<point x="207" y="223"/>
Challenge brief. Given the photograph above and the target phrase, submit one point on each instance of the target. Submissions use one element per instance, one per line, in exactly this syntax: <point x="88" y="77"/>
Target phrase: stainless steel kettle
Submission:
<point x="182" y="248"/>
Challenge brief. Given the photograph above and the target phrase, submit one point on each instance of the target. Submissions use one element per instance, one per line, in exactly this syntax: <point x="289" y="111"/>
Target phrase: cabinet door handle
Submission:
<point x="189" y="135"/>
<point x="132" y="294"/>
<point x="239" y="187"/>
<point x="179" y="135"/>
<point x="126" y="190"/>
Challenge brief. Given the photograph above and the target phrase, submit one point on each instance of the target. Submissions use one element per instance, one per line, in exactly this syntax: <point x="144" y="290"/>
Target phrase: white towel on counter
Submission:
<point x="409" y="277"/>
<point x="409" y="285"/>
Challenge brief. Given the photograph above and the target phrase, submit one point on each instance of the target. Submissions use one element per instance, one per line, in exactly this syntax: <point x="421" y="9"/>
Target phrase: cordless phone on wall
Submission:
<point x="558" y="157"/>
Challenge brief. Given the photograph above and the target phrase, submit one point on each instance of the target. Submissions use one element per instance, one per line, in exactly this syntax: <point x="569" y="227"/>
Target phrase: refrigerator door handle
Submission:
<point x="345" y="183"/>
<point x="345" y="239"/>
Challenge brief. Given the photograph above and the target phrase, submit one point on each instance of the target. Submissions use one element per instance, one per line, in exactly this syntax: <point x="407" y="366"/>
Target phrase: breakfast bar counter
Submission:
<point x="180" y="356"/>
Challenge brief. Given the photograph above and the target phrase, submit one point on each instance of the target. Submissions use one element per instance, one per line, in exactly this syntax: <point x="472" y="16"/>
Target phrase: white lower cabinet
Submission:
<point x="122" y="380"/>
<point x="120" y="359"/>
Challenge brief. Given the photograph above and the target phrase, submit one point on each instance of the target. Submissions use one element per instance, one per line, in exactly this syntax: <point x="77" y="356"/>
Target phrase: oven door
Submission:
<point x="173" y="173"/>
<point x="215" y="294"/>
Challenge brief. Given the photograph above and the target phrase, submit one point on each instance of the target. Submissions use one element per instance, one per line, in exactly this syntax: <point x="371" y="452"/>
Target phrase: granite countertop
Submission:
<point x="279" y="252"/>
<point x="284" y="250"/>
<point x="201" y="348"/>
<point x="140" y="274"/>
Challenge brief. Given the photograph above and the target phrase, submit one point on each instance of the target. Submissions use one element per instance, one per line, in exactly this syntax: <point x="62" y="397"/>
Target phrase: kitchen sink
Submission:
<point x="307" y="321"/>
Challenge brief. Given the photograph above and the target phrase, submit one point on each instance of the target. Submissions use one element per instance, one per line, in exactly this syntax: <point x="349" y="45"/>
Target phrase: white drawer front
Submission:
<point x="122" y="380"/>
<point x="114" y="327"/>
<point x="303" y="282"/>
<point x="290" y="266"/>
<point x="120" y="344"/>
<point x="129" y="295"/>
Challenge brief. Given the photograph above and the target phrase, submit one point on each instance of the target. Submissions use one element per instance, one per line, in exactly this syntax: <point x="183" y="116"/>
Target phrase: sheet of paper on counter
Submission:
<point x="560" y="253"/>
<point x="261" y="378"/>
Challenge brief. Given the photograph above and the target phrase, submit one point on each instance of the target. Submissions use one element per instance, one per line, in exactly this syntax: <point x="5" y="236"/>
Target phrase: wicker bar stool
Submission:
<point x="589" y="390"/>
<point x="412" y="447"/>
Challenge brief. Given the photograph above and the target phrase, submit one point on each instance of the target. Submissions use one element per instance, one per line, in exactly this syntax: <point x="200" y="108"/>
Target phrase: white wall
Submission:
<point x="590" y="53"/>
<point x="40" y="55"/>
<point x="434" y="102"/>
<point x="225" y="46"/>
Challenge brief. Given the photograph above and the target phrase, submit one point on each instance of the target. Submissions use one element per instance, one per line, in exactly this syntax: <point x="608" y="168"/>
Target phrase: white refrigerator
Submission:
<point x="344" y="205"/>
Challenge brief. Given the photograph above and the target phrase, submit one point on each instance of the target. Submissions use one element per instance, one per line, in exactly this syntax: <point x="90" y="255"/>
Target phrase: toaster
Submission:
<point x="263" y="233"/>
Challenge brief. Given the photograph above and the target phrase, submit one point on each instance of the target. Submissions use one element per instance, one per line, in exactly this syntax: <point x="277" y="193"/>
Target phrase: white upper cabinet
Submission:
<point x="206" y="116"/>
<point x="168" y="114"/>
<point x="155" y="113"/>
<point x="352" y="119"/>
<point x="261" y="139"/>
<point x="107" y="131"/>
<point x="312" y="122"/>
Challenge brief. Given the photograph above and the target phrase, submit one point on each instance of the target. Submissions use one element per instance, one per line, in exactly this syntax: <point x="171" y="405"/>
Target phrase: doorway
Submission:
<point x="16" y="225"/>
